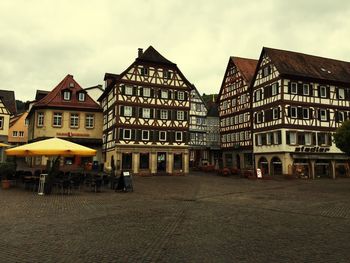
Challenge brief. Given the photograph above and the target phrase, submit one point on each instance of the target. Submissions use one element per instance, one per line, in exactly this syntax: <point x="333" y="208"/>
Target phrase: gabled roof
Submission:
<point x="296" y="64"/>
<point x="8" y="98"/>
<point x="246" y="67"/>
<point x="153" y="56"/>
<point x="55" y="97"/>
<point x="110" y="76"/>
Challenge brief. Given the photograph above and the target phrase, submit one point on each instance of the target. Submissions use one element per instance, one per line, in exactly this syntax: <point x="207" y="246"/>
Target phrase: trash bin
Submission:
<point x="42" y="180"/>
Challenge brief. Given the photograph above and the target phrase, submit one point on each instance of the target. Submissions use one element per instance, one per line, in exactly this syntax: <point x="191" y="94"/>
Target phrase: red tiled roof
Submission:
<point x="55" y="97"/>
<point x="302" y="65"/>
<point x="246" y="66"/>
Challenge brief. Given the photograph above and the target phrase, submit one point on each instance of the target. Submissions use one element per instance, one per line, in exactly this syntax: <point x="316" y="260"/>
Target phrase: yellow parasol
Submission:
<point x="4" y="145"/>
<point x="51" y="147"/>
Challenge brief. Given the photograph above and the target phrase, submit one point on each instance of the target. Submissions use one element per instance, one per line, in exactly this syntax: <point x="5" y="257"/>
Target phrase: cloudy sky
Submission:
<point x="42" y="41"/>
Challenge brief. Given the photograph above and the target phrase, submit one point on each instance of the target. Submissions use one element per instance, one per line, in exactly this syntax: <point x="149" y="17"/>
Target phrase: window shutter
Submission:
<point x="314" y="138"/>
<point x="121" y="110"/>
<point x="152" y="113"/>
<point x="170" y="117"/>
<point x="134" y="90"/>
<point x="152" y="93"/>
<point x="159" y="93"/>
<point x="133" y="134"/>
<point x="328" y="92"/>
<point x="300" y="89"/>
<point x="158" y="114"/>
<point x="140" y="112"/>
<point x="278" y="87"/>
<point x="254" y="95"/>
<point x="256" y="139"/>
<point x="120" y="134"/>
<point x="328" y="115"/>
<point x="311" y="113"/>
<point x="337" y="92"/>
<point x="139" y="135"/>
<point x="336" y="116"/>
<point x="186" y="96"/>
<point x="176" y="95"/>
<point x="141" y="91"/>
<point x="289" y="87"/>
<point x="123" y="89"/>
<point x="156" y="136"/>
<point x="288" y="111"/>
<point x="288" y="137"/>
<point x="311" y="90"/>
<point x="185" y="115"/>
<point x="319" y="91"/>
<point x="300" y="113"/>
<point x="169" y="94"/>
<point x="151" y="136"/>
<point x="171" y="136"/>
<point x="279" y="113"/>
<point x="319" y="114"/>
<point x="133" y="111"/>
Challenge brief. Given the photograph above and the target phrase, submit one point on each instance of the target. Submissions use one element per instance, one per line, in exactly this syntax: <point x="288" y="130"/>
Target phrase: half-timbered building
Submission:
<point x="198" y="130"/>
<point x="298" y="102"/>
<point x="67" y="112"/>
<point x="213" y="135"/>
<point x="4" y="126"/>
<point x="235" y="113"/>
<point x="146" y="112"/>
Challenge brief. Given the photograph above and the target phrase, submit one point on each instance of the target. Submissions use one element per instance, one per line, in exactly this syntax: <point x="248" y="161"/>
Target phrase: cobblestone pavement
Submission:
<point x="197" y="218"/>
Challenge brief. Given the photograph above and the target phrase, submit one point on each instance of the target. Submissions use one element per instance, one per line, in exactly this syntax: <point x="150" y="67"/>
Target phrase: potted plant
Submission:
<point x="6" y="171"/>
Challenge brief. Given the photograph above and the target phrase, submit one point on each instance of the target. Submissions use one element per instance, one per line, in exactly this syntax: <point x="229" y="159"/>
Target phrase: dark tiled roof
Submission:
<point x="8" y="98"/>
<point x="55" y="97"/>
<point x="111" y="76"/>
<point x="213" y="110"/>
<point x="246" y="66"/>
<point x="302" y="65"/>
<point x="153" y="56"/>
<point x="41" y="94"/>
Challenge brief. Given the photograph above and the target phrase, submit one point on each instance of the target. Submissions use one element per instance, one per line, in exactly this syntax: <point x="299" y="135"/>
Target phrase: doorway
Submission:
<point x="161" y="162"/>
<point x="126" y="161"/>
<point x="238" y="161"/>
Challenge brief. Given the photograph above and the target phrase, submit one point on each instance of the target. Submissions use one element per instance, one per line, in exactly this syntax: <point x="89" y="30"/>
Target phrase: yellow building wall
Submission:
<point x="19" y="125"/>
<point x="47" y="130"/>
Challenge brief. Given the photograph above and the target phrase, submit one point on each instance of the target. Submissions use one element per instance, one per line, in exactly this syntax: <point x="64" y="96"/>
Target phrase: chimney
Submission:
<point x="140" y="52"/>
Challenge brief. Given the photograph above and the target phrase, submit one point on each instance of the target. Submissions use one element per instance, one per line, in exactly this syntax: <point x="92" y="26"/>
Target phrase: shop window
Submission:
<point x="144" y="160"/>
<point x="177" y="161"/>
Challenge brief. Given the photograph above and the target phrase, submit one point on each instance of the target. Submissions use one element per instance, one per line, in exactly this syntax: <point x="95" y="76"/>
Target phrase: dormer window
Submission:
<point x="66" y="95"/>
<point x="144" y="71"/>
<point x="167" y="74"/>
<point x="81" y="96"/>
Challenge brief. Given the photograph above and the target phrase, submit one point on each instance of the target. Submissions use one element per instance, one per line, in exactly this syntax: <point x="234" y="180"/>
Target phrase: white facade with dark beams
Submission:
<point x="198" y="130"/>
<point x="235" y="113"/>
<point x="298" y="102"/>
<point x="146" y="117"/>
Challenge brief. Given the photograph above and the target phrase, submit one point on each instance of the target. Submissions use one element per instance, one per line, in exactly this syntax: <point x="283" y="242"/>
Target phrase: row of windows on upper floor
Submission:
<point x="303" y="113"/>
<point x="149" y="135"/>
<point x="148" y="113"/>
<point x="233" y="120"/>
<point x="294" y="138"/>
<point x="67" y="95"/>
<point x="236" y="136"/>
<point x="17" y="133"/>
<point x="226" y="104"/>
<point x="198" y="107"/>
<point x="303" y="89"/>
<point x="232" y="87"/>
<point x="150" y="92"/>
<point x="57" y="120"/>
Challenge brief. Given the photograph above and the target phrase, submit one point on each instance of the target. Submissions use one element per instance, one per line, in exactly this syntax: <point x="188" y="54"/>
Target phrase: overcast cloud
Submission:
<point x="43" y="41"/>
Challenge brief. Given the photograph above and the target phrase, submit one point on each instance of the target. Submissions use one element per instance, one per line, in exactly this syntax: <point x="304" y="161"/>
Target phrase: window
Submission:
<point x="233" y="102"/>
<point x="341" y="116"/>
<point x="163" y="114"/>
<point x="247" y="135"/>
<point x="145" y="135"/>
<point x="246" y="117"/>
<point x="322" y="138"/>
<point x="144" y="71"/>
<point x="177" y="161"/>
<point x="276" y="138"/>
<point x="323" y="92"/>
<point x="259" y="142"/>
<point x="306" y="113"/>
<point x="180" y="115"/>
<point x="241" y="118"/>
<point x="258" y="95"/>
<point x="144" y="160"/>
<point x="266" y="71"/>
<point x="81" y="96"/>
<point x="127" y="134"/>
<point x="241" y="136"/>
<point x="306" y="89"/>
<point x="146" y="113"/>
<point x="307" y="138"/>
<point x="180" y="95"/>
<point x="243" y="99"/>
<point x="146" y="92"/>
<point x="162" y="136"/>
<point x="74" y="120"/>
<point x="21" y="133"/>
<point x="40" y="119"/>
<point x="274" y="88"/>
<point x="268" y="138"/>
<point x="293" y="138"/>
<point x="167" y="74"/>
<point x="127" y="111"/>
<point x="341" y="94"/>
<point x="164" y="94"/>
<point x="89" y="121"/>
<point x="258" y="117"/>
<point x="293" y="112"/>
<point x="236" y="119"/>
<point x="275" y="113"/>
<point x="178" y="136"/>
<point x="57" y="119"/>
<point x="15" y="133"/>
<point x="128" y="90"/>
<point x="293" y="88"/>
<point x="66" y="95"/>
<point x="323" y="115"/>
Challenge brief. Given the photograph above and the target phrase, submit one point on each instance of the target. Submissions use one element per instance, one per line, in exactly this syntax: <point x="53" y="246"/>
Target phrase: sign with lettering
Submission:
<point x="316" y="149"/>
<point x="73" y="134"/>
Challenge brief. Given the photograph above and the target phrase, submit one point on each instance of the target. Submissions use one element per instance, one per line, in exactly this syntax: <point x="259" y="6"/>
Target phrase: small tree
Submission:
<point x="342" y="137"/>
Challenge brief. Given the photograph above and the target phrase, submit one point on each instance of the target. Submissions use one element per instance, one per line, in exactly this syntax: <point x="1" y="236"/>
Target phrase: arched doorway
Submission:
<point x="276" y="166"/>
<point x="263" y="165"/>
<point x="238" y="161"/>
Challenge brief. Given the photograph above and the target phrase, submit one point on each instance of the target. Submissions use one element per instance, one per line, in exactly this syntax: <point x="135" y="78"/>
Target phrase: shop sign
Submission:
<point x="258" y="173"/>
<point x="312" y="149"/>
<point x="72" y="134"/>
